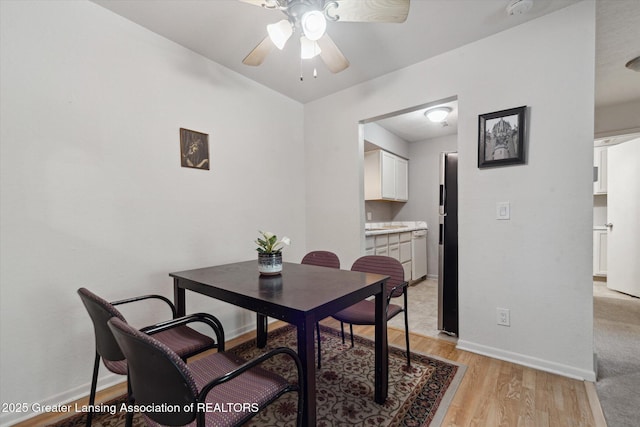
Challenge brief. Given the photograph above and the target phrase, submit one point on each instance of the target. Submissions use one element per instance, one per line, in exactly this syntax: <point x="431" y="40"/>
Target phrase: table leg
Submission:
<point x="179" y="298"/>
<point x="261" y="330"/>
<point x="382" y="349"/>
<point x="306" y="346"/>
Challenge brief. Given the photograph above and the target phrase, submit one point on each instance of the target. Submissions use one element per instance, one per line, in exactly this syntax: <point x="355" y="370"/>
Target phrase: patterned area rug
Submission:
<point x="418" y="396"/>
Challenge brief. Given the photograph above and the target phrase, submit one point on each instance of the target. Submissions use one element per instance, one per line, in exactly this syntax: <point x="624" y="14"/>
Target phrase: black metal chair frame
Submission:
<point x="202" y="395"/>
<point x="405" y="287"/>
<point x="206" y="318"/>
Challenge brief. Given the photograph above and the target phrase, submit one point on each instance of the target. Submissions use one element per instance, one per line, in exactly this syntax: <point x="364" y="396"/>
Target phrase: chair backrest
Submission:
<point x="388" y="266"/>
<point x="157" y="375"/>
<point x="100" y="312"/>
<point x="322" y="259"/>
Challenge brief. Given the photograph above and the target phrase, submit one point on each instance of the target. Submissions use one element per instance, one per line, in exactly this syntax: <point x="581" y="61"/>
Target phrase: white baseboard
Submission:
<point x="531" y="362"/>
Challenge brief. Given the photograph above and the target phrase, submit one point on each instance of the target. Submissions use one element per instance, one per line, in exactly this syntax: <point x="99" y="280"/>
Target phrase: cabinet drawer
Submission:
<point x="382" y="240"/>
<point x="382" y="251"/>
<point x="405" y="237"/>
<point x="394" y="238"/>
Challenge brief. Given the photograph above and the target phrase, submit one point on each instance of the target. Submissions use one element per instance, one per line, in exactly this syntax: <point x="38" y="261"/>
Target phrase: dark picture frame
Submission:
<point x="194" y="149"/>
<point x="501" y="138"/>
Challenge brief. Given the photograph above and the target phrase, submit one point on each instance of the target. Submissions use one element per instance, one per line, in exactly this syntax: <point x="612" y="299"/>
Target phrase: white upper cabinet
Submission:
<point x="600" y="170"/>
<point x="386" y="176"/>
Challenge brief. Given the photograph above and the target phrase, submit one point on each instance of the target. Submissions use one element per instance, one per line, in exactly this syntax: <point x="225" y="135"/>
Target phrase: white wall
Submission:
<point x="538" y="264"/>
<point x="92" y="189"/>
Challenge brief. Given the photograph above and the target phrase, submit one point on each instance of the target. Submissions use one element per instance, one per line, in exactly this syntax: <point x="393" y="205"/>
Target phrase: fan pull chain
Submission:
<point x="301" y="76"/>
<point x="315" y="61"/>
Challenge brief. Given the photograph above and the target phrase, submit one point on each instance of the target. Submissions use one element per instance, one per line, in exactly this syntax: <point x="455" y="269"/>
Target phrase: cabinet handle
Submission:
<point x="609" y="225"/>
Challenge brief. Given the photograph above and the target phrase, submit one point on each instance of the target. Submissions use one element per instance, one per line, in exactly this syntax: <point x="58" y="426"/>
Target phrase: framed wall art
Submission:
<point x="501" y="138"/>
<point x="194" y="149"/>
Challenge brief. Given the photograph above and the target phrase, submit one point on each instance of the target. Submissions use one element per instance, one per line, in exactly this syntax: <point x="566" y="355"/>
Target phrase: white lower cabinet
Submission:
<point x="369" y="245"/>
<point x="394" y="245"/>
<point x="600" y="252"/>
<point x="382" y="245"/>
<point x="405" y="254"/>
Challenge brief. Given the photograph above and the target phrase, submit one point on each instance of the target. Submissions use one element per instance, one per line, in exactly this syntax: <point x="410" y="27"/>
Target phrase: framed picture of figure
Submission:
<point x="501" y="137"/>
<point x="194" y="149"/>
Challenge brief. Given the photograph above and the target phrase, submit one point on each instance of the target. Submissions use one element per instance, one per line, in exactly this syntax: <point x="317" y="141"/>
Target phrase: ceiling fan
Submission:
<point x="309" y="18"/>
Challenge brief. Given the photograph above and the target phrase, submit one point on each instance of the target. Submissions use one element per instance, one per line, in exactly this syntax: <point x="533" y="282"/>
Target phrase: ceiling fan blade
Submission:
<point x="254" y="2"/>
<point x="371" y="10"/>
<point x="331" y="55"/>
<point x="259" y="53"/>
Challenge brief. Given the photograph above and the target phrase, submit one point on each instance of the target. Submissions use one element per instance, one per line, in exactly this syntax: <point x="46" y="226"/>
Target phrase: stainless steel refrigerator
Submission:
<point x="448" y="245"/>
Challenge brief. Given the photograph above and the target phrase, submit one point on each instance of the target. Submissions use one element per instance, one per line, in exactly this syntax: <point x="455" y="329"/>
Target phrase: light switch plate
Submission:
<point x="503" y="210"/>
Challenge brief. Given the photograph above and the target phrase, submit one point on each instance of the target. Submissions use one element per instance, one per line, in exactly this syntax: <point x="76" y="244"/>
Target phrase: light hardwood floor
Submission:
<point x="493" y="393"/>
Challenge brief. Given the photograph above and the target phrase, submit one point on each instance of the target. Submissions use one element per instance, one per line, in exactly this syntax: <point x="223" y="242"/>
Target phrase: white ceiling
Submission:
<point x="226" y="30"/>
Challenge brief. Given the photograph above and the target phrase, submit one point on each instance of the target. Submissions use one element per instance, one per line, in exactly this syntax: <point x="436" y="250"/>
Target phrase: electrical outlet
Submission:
<point x="504" y="317"/>
<point x="368" y="216"/>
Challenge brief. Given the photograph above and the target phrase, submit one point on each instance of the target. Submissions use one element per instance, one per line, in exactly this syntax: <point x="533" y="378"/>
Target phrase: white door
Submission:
<point x="623" y="216"/>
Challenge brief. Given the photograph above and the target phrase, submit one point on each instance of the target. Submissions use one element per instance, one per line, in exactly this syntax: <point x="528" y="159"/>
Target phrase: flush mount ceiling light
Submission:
<point x="437" y="114"/>
<point x="310" y="17"/>
<point x="634" y="64"/>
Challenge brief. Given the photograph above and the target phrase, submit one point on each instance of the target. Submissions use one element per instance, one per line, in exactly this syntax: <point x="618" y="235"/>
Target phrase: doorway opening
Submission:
<point x="408" y="135"/>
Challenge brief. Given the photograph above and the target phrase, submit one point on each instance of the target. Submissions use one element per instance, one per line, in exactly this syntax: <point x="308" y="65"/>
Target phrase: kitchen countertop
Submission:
<point x="377" y="228"/>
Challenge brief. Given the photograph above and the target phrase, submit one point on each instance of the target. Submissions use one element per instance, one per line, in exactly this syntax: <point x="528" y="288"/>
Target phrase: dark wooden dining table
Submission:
<point x="301" y="295"/>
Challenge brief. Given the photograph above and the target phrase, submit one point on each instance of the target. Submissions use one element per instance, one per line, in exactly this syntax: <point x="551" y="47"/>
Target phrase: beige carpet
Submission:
<point x="617" y="344"/>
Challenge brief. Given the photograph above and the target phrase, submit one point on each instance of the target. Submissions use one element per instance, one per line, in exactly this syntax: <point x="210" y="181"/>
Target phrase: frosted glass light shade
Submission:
<point x="313" y="24"/>
<point x="279" y="33"/>
<point x="438" y="114"/>
<point x="308" y="48"/>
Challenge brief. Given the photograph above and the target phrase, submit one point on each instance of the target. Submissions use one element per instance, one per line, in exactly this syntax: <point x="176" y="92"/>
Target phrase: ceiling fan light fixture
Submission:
<point x="279" y="33"/>
<point x="437" y="114"/>
<point x="313" y="24"/>
<point x="308" y="48"/>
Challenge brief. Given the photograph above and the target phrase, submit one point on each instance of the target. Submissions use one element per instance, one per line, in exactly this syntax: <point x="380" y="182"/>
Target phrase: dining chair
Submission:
<point x="192" y="392"/>
<point x="175" y="334"/>
<point x="363" y="312"/>
<point x="321" y="259"/>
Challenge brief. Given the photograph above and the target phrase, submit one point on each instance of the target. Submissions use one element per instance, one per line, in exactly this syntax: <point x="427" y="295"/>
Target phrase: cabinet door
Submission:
<point x="394" y="251"/>
<point x="369" y="242"/>
<point x="388" y="175"/>
<point x="405" y="252"/>
<point x="599" y="252"/>
<point x="402" y="179"/>
<point x="600" y="163"/>
<point x="407" y="270"/>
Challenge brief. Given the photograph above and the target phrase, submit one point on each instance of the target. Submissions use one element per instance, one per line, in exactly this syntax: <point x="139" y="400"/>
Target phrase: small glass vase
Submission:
<point x="270" y="264"/>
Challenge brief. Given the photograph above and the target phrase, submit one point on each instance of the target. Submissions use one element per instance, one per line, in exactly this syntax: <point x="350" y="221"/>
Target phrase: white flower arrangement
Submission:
<point x="269" y="244"/>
